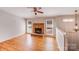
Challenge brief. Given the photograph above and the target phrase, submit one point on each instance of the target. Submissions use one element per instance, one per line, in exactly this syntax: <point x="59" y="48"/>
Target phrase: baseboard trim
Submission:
<point x="11" y="37"/>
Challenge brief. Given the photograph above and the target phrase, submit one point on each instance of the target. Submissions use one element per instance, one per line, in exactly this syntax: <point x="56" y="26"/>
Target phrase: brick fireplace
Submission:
<point x="38" y="28"/>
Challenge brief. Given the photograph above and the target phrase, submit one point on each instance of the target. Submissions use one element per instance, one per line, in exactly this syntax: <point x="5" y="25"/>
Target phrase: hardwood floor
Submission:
<point x="28" y="42"/>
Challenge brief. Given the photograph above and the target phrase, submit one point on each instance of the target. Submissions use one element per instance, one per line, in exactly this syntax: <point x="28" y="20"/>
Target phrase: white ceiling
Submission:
<point x="48" y="11"/>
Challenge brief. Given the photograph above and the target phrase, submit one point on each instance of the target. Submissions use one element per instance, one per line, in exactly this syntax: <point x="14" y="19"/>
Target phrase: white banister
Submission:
<point x="60" y="39"/>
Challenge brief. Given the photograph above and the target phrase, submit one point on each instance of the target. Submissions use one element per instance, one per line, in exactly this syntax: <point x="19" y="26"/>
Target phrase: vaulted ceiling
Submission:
<point x="27" y="12"/>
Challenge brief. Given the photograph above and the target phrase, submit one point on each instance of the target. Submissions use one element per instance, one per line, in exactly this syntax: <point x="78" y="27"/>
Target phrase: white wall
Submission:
<point x="66" y="26"/>
<point x="10" y="26"/>
<point x="37" y="20"/>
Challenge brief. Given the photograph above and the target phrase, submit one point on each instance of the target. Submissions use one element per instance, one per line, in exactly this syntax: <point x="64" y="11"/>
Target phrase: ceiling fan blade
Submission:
<point x="35" y="9"/>
<point x="40" y="12"/>
<point x="39" y="8"/>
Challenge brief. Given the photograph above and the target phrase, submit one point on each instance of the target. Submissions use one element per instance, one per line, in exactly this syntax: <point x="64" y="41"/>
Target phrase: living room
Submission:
<point x="38" y="28"/>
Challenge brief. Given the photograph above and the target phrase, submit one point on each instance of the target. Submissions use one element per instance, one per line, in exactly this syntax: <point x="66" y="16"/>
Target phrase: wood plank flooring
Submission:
<point x="28" y="42"/>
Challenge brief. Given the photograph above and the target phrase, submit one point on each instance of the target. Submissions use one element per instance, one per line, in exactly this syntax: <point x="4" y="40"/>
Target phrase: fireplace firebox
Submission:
<point x="38" y="30"/>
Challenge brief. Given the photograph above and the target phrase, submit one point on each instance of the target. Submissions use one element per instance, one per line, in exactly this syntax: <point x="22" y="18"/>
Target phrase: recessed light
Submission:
<point x="68" y="20"/>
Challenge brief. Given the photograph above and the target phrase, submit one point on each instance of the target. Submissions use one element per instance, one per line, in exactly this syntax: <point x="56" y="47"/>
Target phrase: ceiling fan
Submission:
<point x="37" y="10"/>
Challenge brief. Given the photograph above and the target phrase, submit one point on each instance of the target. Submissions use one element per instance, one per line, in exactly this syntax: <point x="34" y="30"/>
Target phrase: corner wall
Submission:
<point x="10" y="26"/>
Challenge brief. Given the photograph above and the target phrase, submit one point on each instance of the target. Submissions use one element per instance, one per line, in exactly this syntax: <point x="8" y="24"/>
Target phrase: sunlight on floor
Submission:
<point x="29" y="42"/>
<point x="49" y="43"/>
